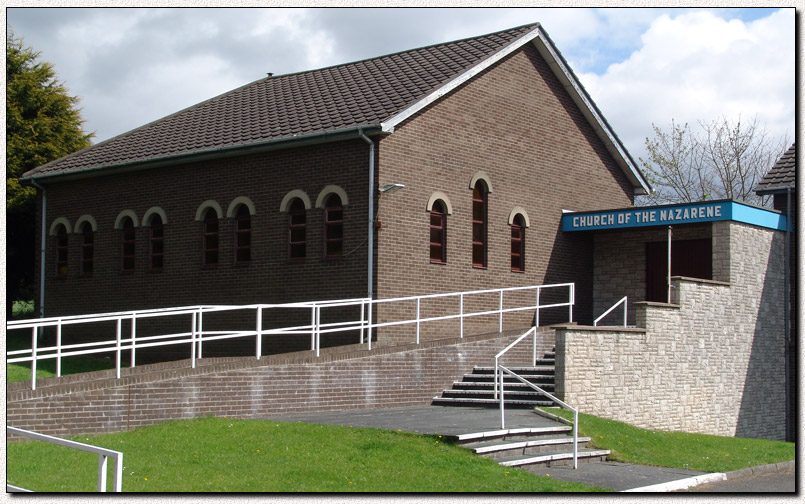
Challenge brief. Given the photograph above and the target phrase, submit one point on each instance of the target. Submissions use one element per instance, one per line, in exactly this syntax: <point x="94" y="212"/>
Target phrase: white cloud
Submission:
<point x="700" y="67"/>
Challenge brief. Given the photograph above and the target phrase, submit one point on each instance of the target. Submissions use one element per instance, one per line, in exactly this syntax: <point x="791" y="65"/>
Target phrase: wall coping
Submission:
<point x="580" y="328"/>
<point x="700" y="281"/>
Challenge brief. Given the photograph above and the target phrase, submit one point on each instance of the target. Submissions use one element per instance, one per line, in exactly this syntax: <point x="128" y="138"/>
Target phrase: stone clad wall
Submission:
<point x="712" y="362"/>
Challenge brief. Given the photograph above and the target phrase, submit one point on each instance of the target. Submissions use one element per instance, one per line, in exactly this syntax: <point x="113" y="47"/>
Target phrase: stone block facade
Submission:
<point x="711" y="362"/>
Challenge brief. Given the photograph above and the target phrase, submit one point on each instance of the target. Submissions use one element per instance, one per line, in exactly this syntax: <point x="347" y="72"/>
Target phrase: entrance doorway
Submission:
<point x="690" y="258"/>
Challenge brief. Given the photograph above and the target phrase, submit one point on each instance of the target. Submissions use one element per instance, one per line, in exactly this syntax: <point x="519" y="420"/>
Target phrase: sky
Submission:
<point x="641" y="66"/>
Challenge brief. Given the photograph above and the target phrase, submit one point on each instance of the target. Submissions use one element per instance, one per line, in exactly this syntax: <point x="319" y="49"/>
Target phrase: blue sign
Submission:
<point x="672" y="215"/>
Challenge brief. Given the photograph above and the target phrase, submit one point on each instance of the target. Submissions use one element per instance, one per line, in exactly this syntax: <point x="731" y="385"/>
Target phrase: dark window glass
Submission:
<point x="210" y="239"/>
<point x="87" y="250"/>
<point x="297" y="231"/>
<point x="157" y="244"/>
<point x="61" y="252"/>
<point x="480" y="197"/>
<point x="128" y="246"/>
<point x="438" y="233"/>
<point x="518" y="244"/>
<point x="243" y="235"/>
<point x="333" y="227"/>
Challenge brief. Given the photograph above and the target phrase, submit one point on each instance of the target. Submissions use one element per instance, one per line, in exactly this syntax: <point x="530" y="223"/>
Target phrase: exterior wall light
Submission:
<point x="390" y="188"/>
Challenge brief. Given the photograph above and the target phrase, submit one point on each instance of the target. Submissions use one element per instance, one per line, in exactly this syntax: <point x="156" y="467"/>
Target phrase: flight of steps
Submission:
<point x="523" y="447"/>
<point x="478" y="388"/>
<point x="531" y="447"/>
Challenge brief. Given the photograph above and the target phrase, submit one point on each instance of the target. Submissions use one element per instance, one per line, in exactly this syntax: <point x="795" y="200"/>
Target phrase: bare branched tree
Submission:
<point x="724" y="161"/>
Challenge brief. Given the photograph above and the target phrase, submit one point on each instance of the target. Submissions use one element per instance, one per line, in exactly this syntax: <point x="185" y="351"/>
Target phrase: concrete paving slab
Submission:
<point x="616" y="475"/>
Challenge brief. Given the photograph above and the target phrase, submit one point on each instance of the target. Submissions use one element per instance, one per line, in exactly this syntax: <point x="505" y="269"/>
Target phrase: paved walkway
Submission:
<point x="451" y="421"/>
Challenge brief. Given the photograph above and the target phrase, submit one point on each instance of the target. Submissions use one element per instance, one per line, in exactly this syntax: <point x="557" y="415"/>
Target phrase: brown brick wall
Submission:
<point x="517" y="124"/>
<point x="276" y="385"/>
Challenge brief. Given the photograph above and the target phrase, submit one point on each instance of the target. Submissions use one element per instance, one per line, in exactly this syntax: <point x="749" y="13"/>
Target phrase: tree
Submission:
<point x="42" y="124"/>
<point x="723" y="161"/>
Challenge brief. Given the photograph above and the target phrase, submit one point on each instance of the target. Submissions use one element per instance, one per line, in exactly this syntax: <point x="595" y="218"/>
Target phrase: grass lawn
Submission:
<point x="700" y="452"/>
<point x="47" y="368"/>
<point x="235" y="455"/>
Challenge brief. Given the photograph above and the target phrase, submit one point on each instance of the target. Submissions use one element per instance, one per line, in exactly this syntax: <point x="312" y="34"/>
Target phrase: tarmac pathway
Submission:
<point x="451" y="420"/>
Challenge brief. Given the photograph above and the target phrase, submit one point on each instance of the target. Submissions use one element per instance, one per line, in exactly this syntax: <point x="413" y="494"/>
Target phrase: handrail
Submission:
<point x="197" y="335"/>
<point x="549" y="396"/>
<point x="625" y="309"/>
<point x="103" y="456"/>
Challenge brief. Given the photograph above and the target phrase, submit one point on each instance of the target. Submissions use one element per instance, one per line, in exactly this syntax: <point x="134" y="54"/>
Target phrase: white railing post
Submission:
<point x="58" y="348"/>
<point x="502" y="401"/>
<point x="417" y="319"/>
<point x="259" y="343"/>
<point x="536" y="316"/>
<point x="363" y="319"/>
<point x="313" y="327"/>
<point x="117" y="346"/>
<point x="193" y="337"/>
<point x="33" y="358"/>
<point x="534" y="353"/>
<point x="461" y="315"/>
<point x="133" y="339"/>
<point x="625" y="310"/>
<point x="369" y="328"/>
<point x="200" y="331"/>
<point x="572" y="300"/>
<point x="318" y="329"/>
<point x="497" y="370"/>
<point x="102" y="472"/>
<point x="575" y="439"/>
<point x="500" y="312"/>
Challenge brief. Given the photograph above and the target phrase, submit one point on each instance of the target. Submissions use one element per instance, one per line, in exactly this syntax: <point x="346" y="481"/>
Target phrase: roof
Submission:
<point x="782" y="176"/>
<point x="372" y="95"/>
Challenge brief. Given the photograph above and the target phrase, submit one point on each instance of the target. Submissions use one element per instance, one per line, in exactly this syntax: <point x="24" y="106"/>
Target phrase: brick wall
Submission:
<point x="516" y="124"/>
<point x="711" y="363"/>
<point x="350" y="378"/>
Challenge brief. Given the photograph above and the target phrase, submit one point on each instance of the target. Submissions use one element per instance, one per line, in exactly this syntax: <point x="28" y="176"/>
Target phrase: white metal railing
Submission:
<point x="505" y="371"/>
<point x="625" y="311"/>
<point x="103" y="458"/>
<point x="197" y="335"/>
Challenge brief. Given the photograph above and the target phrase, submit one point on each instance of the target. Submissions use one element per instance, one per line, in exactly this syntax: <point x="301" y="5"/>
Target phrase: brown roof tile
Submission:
<point x="345" y="96"/>
<point x="783" y="174"/>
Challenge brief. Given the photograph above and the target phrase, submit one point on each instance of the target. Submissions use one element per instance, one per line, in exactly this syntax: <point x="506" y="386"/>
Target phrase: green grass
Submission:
<point x="700" y="452"/>
<point x="235" y="455"/>
<point x="47" y="368"/>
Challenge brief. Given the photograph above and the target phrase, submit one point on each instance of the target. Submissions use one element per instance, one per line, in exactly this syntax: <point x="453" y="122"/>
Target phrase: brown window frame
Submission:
<point x="156" y="245"/>
<point x="438" y="247"/>
<point x="87" y="250"/>
<point x="297" y="231"/>
<point x="333" y="227"/>
<point x="518" y="244"/>
<point x="62" y="252"/>
<point x="243" y="236"/>
<point x="480" y="225"/>
<point x="210" y="253"/>
<point x="128" y="249"/>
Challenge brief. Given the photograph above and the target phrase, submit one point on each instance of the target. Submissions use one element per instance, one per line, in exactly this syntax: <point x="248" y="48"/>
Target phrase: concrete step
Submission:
<point x="520" y="370"/>
<point x="497" y="450"/>
<point x="492" y="403"/>
<point x="522" y="433"/>
<point x="526" y="393"/>
<point x="490" y="378"/>
<point x="490" y="385"/>
<point x="562" y="459"/>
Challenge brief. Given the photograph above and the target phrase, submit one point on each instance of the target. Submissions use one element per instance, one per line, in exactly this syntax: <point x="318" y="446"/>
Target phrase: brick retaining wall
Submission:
<point x="405" y="375"/>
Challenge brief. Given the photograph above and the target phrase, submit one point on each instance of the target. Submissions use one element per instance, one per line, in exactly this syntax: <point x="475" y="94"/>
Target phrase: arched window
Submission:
<point x="87" y="249"/>
<point x="333" y="227"/>
<point x="480" y="198"/>
<point x="297" y="230"/>
<point x="61" y="251"/>
<point x="243" y="235"/>
<point x="128" y="242"/>
<point x="438" y="233"/>
<point x="518" y="244"/>
<point x="156" y="248"/>
<point x="210" y="242"/>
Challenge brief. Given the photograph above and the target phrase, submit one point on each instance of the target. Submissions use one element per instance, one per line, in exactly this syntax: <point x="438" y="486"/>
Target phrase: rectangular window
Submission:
<point x="517" y="249"/>
<point x="334" y="228"/>
<point x="61" y="254"/>
<point x="479" y="231"/>
<point x="297" y="232"/>
<point x="128" y="248"/>
<point x="211" y="240"/>
<point x="87" y="252"/>
<point x="437" y="236"/>
<point x="243" y="236"/>
<point x="157" y="252"/>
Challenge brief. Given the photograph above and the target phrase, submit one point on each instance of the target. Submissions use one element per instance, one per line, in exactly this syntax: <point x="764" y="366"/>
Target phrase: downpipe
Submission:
<point x="370" y="231"/>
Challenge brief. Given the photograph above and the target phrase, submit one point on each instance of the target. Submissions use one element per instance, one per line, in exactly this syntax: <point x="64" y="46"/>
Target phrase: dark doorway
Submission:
<point x="690" y="258"/>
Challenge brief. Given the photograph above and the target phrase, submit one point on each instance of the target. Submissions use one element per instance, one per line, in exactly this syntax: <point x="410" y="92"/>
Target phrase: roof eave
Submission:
<point x="262" y="146"/>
